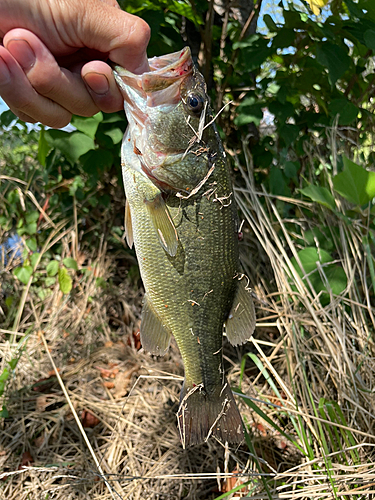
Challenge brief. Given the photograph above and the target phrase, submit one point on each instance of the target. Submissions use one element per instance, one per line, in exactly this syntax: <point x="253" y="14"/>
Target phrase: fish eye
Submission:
<point x="194" y="102"/>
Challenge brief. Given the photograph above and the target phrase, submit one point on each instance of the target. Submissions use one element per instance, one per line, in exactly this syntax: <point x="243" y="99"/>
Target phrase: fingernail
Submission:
<point x="22" y="52"/>
<point x="97" y="82"/>
<point x="4" y="72"/>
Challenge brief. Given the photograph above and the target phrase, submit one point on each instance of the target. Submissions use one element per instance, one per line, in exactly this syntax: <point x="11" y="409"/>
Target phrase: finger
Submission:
<point x="21" y="97"/>
<point x="23" y="116"/>
<point x="45" y="75"/>
<point x="124" y="36"/>
<point x="102" y="86"/>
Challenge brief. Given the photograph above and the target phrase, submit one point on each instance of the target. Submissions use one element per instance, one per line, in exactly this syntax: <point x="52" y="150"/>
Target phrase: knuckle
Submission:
<point x="144" y="31"/>
<point x="44" y="86"/>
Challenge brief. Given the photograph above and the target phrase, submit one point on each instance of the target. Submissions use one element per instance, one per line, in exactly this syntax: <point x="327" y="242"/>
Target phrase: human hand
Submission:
<point x="53" y="52"/>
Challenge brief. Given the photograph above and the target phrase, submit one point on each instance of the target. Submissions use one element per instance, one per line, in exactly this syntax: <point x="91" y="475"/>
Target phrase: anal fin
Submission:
<point x="163" y="224"/>
<point x="240" y="323"/>
<point x="155" y="337"/>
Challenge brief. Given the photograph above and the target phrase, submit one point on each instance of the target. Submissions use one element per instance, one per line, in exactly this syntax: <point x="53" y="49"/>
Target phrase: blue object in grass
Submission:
<point x="12" y="247"/>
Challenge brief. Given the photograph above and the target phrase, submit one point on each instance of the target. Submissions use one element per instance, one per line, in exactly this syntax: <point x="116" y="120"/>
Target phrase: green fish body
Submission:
<point x="182" y="218"/>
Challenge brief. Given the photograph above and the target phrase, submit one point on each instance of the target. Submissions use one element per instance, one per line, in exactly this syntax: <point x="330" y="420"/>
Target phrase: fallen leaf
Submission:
<point x="89" y="420"/>
<point x="135" y="339"/>
<point x="261" y="429"/>
<point x="232" y="482"/>
<point x="52" y="373"/>
<point x="26" y="460"/>
<point x="108" y="385"/>
<point x="81" y="257"/>
<point x="122" y="382"/>
<point x="41" y="403"/>
<point x="283" y="445"/>
<point x="39" y="441"/>
<point x="107" y="373"/>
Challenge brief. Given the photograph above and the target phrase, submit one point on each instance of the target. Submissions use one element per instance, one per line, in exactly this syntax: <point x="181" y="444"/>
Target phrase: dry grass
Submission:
<point x="301" y="353"/>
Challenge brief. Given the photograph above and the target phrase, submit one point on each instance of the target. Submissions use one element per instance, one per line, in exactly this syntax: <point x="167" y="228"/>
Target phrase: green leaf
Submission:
<point x="309" y="257"/>
<point x="32" y="216"/>
<point x="70" y="263"/>
<point x="249" y="111"/>
<point x="334" y="275"/>
<point x="290" y="169"/>
<point x="43" y="147"/>
<point x="77" y="183"/>
<point x="320" y="195"/>
<point x="30" y="228"/>
<point x="31" y="244"/>
<point x="336" y="278"/>
<point x="89" y="125"/>
<point x="369" y="5"/>
<point x="282" y="111"/>
<point x="183" y="8"/>
<point x="23" y="273"/>
<point x="65" y="281"/>
<point x="52" y="268"/>
<point x="49" y="282"/>
<point x="289" y="133"/>
<point x="334" y="58"/>
<point x="285" y="38"/>
<point x="369" y="38"/>
<point x="34" y="257"/>
<point x="277" y="182"/>
<point x="7" y="117"/>
<point x="4" y="412"/>
<point x="355" y="183"/>
<point x="116" y="134"/>
<point x="97" y="160"/>
<point x="72" y="145"/>
<point x="346" y="110"/>
<point x="269" y="22"/>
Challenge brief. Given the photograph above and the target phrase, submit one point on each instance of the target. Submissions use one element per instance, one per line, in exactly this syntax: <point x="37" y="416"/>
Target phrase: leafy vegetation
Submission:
<point x="297" y="119"/>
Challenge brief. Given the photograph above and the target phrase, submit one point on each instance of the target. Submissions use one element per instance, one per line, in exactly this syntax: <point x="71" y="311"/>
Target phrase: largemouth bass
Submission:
<point x="181" y="215"/>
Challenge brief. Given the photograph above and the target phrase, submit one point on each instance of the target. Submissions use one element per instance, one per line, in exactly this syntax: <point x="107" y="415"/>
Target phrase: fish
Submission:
<point x="182" y="218"/>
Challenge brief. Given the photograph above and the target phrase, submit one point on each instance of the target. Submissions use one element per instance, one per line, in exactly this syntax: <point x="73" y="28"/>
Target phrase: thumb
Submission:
<point x="123" y="36"/>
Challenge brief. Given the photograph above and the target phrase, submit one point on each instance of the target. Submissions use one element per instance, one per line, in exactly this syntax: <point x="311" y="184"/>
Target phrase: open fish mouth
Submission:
<point x="158" y="87"/>
<point x="173" y="91"/>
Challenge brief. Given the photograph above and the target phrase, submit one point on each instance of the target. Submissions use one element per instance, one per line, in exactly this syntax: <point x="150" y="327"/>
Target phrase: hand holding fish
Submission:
<point x="52" y="55"/>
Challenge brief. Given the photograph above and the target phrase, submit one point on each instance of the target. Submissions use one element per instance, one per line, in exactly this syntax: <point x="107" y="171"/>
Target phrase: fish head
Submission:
<point x="167" y="109"/>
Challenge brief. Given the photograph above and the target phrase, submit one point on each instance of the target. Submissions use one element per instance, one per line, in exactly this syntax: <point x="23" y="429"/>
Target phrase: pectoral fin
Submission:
<point x="155" y="337"/>
<point x="163" y="224"/>
<point x="241" y="320"/>
<point x="128" y="225"/>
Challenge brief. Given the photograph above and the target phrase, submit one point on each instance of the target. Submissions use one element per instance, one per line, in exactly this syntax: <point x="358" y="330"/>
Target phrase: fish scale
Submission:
<point x="183" y="221"/>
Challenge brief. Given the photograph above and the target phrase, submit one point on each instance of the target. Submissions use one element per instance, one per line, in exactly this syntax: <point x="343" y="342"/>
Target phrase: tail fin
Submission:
<point x="202" y="415"/>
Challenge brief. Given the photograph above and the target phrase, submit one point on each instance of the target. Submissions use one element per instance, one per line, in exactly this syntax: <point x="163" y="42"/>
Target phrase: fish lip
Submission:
<point x="164" y="70"/>
<point x="159" y="86"/>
